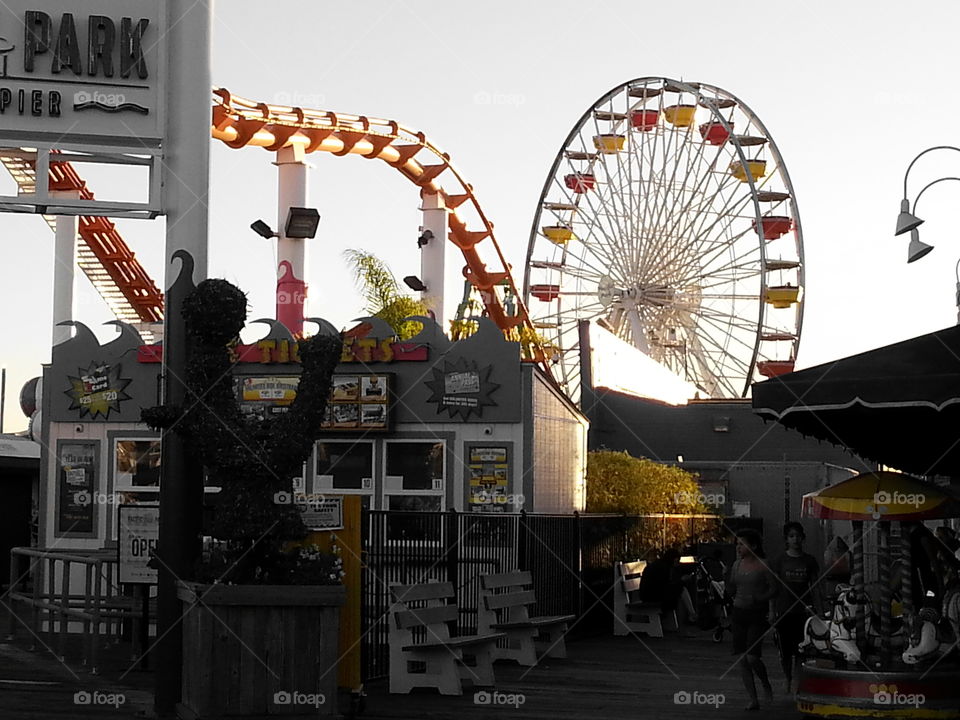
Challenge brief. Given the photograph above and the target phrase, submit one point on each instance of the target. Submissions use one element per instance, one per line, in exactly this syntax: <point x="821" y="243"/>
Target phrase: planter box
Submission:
<point x="259" y="650"/>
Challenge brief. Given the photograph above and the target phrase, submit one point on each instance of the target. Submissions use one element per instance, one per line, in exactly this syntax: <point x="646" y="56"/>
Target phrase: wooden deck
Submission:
<point x="607" y="677"/>
<point x="613" y="678"/>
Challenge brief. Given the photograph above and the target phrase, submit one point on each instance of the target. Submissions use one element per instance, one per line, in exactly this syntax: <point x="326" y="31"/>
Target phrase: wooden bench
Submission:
<point x="505" y="600"/>
<point x="631" y="614"/>
<point x="423" y="653"/>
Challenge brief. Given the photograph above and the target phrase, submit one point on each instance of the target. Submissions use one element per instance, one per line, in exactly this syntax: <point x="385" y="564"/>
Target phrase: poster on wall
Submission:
<point x="462" y="388"/>
<point x="266" y="396"/>
<point x="77" y="487"/>
<point x="489" y="471"/>
<point x="97" y="390"/>
<point x="138" y="531"/>
<point x="359" y="402"/>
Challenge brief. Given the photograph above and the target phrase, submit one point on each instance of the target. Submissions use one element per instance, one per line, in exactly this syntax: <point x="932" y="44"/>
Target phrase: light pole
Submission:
<point x="908" y="221"/>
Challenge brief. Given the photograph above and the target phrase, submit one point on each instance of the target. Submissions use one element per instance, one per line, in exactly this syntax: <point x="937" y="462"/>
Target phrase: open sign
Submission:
<point x="138" y="531"/>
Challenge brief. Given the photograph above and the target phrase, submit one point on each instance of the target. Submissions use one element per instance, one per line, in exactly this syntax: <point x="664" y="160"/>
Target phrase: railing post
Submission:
<point x="36" y="568"/>
<point x="523" y="536"/>
<point x="12" y="588"/>
<point x="578" y="519"/>
<point x="64" y="607"/>
<point x="97" y="604"/>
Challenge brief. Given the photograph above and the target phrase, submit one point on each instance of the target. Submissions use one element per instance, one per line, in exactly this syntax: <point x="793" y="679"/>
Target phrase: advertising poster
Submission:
<point x="359" y="402"/>
<point x="77" y="487"/>
<point x="267" y="396"/>
<point x="489" y="479"/>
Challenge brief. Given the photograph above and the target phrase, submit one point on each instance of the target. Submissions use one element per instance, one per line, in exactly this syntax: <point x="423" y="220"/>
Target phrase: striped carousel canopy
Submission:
<point x="882" y="496"/>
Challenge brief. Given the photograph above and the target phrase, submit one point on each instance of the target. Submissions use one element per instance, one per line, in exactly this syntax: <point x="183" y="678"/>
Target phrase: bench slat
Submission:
<point x="456" y="642"/>
<point x="541" y="621"/>
<point x="510" y="600"/>
<point x="420" y="617"/>
<point x="499" y="581"/>
<point x="422" y="591"/>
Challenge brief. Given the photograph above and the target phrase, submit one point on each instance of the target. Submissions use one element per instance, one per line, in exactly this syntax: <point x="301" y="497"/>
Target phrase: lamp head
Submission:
<point x="906" y="221"/>
<point x="414" y="283"/>
<point x="302" y="223"/>
<point x="262" y="229"/>
<point x="917" y="248"/>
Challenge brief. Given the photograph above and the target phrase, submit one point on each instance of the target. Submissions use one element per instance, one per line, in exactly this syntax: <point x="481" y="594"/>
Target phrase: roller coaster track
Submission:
<point x="239" y="123"/>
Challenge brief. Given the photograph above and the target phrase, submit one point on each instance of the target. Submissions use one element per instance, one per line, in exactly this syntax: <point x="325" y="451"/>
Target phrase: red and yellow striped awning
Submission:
<point x="882" y="495"/>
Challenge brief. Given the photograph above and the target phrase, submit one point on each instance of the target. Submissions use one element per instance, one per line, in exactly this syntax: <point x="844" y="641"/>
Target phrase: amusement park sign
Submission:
<point x="92" y="70"/>
<point x="83" y="78"/>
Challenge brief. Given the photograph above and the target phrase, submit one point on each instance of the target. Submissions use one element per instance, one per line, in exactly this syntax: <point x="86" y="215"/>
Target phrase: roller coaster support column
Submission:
<point x="291" y="252"/>
<point x="433" y="245"/>
<point x="64" y="258"/>
<point x="186" y="173"/>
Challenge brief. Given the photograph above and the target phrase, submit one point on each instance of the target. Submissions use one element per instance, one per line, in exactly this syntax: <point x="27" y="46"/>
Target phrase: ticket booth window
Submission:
<point x="137" y="465"/>
<point x="345" y="466"/>
<point x="414" y="474"/>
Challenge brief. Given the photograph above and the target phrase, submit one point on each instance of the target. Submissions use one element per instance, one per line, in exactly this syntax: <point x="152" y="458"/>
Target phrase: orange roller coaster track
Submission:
<point x="238" y="123"/>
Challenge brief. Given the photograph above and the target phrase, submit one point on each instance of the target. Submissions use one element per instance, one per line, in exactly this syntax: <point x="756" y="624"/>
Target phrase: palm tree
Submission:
<point x="381" y="293"/>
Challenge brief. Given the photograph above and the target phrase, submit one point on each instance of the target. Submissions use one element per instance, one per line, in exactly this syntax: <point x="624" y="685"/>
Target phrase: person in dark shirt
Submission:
<point x="798" y="573"/>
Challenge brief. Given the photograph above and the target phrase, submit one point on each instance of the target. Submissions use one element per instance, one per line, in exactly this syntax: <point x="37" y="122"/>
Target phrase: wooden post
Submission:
<point x="349" y="540"/>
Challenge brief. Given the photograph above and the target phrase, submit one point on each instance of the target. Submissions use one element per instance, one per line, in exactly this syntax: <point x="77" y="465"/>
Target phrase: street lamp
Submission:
<point x="908" y="221"/>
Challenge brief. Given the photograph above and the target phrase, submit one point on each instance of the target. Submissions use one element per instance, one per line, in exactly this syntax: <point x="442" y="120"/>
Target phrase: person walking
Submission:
<point x="798" y="573"/>
<point x="752" y="585"/>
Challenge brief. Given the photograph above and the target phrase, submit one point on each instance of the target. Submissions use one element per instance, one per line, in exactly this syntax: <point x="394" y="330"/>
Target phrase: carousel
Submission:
<point x="888" y="645"/>
<point x="887" y="649"/>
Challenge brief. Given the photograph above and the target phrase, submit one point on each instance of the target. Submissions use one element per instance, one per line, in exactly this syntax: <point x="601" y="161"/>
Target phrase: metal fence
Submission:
<point x="570" y="557"/>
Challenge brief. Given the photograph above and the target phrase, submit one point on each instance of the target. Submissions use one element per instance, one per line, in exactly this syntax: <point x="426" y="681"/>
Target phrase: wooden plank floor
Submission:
<point x="607" y="677"/>
<point x="614" y="678"/>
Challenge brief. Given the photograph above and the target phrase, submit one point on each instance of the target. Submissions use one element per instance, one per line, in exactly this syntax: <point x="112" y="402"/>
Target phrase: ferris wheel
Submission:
<point x="668" y="218"/>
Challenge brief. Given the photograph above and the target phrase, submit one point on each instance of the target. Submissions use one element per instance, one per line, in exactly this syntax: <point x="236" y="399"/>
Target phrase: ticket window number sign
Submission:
<point x="138" y="530"/>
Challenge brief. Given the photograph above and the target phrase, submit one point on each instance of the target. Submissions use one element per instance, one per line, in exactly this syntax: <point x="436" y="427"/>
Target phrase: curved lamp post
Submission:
<point x="908" y="221"/>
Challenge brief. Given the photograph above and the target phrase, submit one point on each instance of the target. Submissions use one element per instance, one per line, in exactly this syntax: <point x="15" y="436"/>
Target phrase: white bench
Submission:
<point x="423" y="653"/>
<point x="505" y="600"/>
<point x="631" y="614"/>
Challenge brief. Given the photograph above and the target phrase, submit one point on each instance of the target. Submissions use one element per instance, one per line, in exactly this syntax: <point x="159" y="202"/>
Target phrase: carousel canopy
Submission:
<point x="881" y="496"/>
<point x="898" y="405"/>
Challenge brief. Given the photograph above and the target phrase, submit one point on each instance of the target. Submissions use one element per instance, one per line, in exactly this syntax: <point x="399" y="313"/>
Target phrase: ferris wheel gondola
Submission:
<point x="668" y="218"/>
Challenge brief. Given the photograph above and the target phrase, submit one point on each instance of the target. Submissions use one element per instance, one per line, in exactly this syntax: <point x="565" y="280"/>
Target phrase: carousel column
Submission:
<point x="433" y="246"/>
<point x="886" y="593"/>
<point x="291" y="251"/>
<point x="906" y="578"/>
<point x="856" y="580"/>
<point x="64" y="261"/>
<point x="187" y="177"/>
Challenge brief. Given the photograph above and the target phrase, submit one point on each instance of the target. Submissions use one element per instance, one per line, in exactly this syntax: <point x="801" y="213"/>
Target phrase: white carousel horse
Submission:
<point x="837" y="634"/>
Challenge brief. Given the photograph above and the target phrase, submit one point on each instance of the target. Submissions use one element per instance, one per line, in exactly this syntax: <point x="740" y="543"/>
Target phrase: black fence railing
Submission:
<point x="570" y="557"/>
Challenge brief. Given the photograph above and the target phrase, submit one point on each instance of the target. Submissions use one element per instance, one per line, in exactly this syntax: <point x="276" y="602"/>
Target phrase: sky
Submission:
<point x="850" y="92"/>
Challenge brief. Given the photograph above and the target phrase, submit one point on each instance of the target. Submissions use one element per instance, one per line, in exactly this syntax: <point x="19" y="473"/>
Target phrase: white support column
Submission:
<point x="64" y="264"/>
<point x="432" y="256"/>
<point x="291" y="252"/>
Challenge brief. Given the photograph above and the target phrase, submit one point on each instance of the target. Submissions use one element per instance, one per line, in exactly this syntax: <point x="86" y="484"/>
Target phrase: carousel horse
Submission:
<point x="837" y="634"/>
<point x="926" y="644"/>
<point x="938" y="632"/>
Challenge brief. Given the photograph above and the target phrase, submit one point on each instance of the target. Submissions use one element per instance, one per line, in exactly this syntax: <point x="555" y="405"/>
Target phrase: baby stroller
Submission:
<point x="714" y="602"/>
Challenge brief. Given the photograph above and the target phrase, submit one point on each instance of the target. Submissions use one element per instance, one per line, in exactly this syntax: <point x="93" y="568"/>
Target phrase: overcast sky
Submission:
<point x="850" y="93"/>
